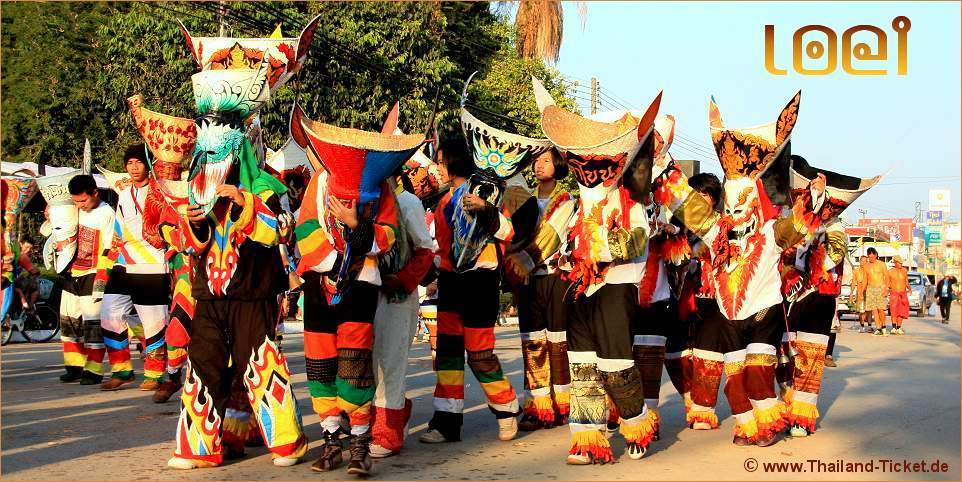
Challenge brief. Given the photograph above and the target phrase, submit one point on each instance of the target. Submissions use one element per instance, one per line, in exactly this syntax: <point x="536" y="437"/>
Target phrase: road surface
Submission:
<point x="892" y="398"/>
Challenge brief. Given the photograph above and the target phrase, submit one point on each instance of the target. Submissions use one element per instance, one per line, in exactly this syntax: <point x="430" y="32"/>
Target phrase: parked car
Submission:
<point x="844" y="306"/>
<point x="923" y="293"/>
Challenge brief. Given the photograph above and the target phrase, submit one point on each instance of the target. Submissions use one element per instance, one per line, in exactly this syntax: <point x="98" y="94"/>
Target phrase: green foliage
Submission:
<point x="69" y="68"/>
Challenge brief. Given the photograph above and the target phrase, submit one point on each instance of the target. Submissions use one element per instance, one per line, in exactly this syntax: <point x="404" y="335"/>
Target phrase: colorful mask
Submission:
<point x="224" y="99"/>
<point x="745" y="155"/>
<point x="64" y="220"/>
<point x="840" y="190"/>
<point x="17" y="193"/>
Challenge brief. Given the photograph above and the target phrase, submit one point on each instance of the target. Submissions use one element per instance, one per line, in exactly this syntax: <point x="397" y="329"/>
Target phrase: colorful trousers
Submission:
<point x="602" y="365"/>
<point x="810" y="322"/>
<point x="148" y="295"/>
<point x="395" y="324"/>
<point x="231" y="344"/>
<point x="542" y="321"/>
<point x="746" y="351"/>
<point x="649" y="330"/>
<point x="338" y="341"/>
<point x="468" y="305"/>
<point x="80" y="331"/>
<point x="428" y="310"/>
<point x="707" y="361"/>
<point x="678" y="356"/>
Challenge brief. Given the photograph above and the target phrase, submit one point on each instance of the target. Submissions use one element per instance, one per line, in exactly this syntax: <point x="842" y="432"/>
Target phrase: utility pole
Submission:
<point x="918" y="222"/>
<point x="221" y="13"/>
<point x="594" y="95"/>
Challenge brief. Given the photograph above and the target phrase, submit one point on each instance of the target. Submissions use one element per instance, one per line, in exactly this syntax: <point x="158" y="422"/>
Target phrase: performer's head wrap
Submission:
<point x="840" y="190"/>
<point x="745" y="155"/>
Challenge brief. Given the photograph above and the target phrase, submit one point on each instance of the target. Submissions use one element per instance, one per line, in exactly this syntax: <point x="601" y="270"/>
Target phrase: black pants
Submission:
<point x="945" y="306"/>
<point x="223" y="335"/>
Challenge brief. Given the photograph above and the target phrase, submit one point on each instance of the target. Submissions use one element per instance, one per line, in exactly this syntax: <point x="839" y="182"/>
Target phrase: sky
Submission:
<point x="906" y="126"/>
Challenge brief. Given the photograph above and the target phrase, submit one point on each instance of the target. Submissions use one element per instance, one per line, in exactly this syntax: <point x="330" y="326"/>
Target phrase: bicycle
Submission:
<point x="38" y="324"/>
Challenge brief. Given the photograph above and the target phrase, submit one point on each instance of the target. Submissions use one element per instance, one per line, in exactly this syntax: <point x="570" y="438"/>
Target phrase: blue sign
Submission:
<point x="933" y="218"/>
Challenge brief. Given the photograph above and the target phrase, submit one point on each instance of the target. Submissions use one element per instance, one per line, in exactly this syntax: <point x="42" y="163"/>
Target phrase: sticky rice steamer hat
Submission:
<point x="170" y="139"/>
<point x="597" y="152"/>
<point x="357" y="161"/>
<point x="496" y="151"/>
<point x="840" y="190"/>
<point x="749" y="152"/>
<point x="283" y="56"/>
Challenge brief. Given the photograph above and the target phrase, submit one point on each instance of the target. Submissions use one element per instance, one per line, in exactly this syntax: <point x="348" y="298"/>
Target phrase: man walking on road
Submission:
<point x="945" y="290"/>
<point x="876" y="289"/>
<point x="898" y="283"/>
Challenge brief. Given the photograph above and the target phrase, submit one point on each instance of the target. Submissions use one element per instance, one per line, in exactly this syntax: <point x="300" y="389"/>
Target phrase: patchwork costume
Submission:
<point x="469" y="258"/>
<point x="812" y="280"/>
<point x="135" y="279"/>
<point x="340" y="270"/>
<point x="238" y="274"/>
<point x="16" y="194"/>
<point x="745" y="246"/>
<point x="607" y="239"/>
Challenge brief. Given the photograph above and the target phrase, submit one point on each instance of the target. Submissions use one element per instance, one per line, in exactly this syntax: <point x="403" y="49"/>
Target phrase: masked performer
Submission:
<point x="699" y="308"/>
<point x="746" y="245"/>
<point x="656" y="318"/>
<point x="812" y="279"/>
<point x="472" y="227"/>
<point x="16" y="194"/>
<point x="170" y="142"/>
<point x="541" y="304"/>
<point x="607" y="239"/>
<point x="347" y="220"/>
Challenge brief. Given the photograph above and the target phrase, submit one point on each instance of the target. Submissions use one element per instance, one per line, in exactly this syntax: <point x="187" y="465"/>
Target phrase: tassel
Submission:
<point x="747" y="430"/>
<point x="592" y="443"/>
<point x="562" y="402"/>
<point x="703" y="416"/>
<point x="640" y="432"/>
<point x="613" y="415"/>
<point x="688" y="403"/>
<point x="771" y="420"/>
<point x="655" y="418"/>
<point x="804" y="415"/>
<point x="540" y="407"/>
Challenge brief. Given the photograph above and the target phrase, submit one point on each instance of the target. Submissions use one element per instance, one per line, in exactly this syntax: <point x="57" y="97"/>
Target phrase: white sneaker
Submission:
<point x="507" y="428"/>
<point x="181" y="463"/>
<point x="579" y="459"/>
<point x="701" y="426"/>
<point x="379" y="452"/>
<point x="432" y="436"/>
<point x="636" y="451"/>
<point x="885" y="332"/>
<point x="285" y="461"/>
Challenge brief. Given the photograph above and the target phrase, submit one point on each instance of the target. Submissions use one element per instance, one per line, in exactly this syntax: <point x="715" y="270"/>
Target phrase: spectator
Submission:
<point x="876" y="290"/>
<point x="945" y="290"/>
<point x="898" y="283"/>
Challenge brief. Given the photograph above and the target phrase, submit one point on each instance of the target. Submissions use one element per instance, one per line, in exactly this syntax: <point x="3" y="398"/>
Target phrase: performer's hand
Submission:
<point x="195" y="214"/>
<point x="342" y="213"/>
<point x="431" y="289"/>
<point x="473" y="203"/>
<point x="818" y="184"/>
<point x="228" y="191"/>
<point x="390" y="283"/>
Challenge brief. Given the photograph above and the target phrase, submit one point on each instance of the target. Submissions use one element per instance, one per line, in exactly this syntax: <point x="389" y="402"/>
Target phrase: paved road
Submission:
<point x="890" y="398"/>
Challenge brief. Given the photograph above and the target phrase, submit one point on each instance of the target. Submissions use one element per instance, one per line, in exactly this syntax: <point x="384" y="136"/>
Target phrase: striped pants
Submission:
<point x="148" y="295"/>
<point x="468" y="305"/>
<point x="650" y="328"/>
<point x="80" y="332"/>
<point x="543" y="323"/>
<point x="338" y="344"/>
<point x="810" y="322"/>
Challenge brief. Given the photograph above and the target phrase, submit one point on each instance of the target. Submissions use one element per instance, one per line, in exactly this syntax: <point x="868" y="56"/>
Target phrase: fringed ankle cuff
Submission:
<point x="540" y="407"/>
<point x="804" y="415"/>
<point x="562" y="402"/>
<point x="748" y="430"/>
<point x="640" y="432"/>
<point x="592" y="443"/>
<point x="771" y="420"/>
<point x="702" y="416"/>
